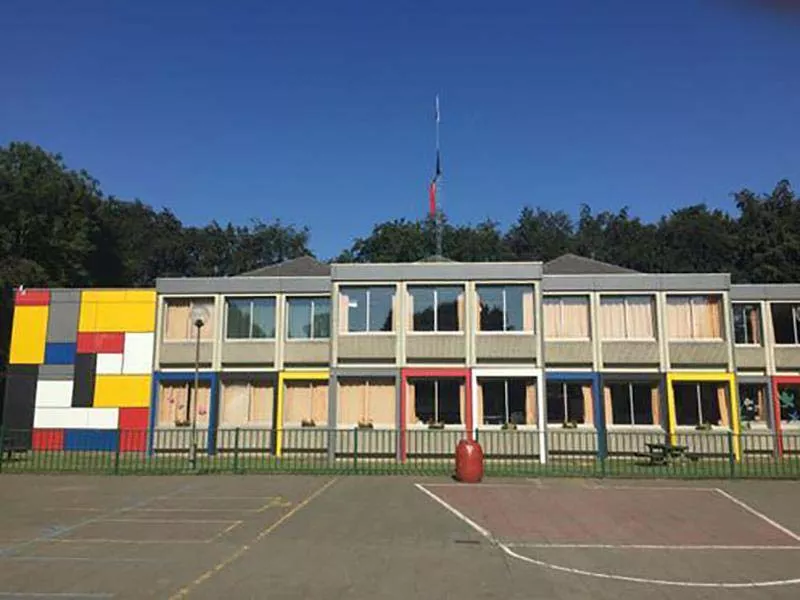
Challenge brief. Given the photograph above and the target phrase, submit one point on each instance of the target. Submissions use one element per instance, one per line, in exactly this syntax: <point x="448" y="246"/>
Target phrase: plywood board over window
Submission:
<point x="244" y="403"/>
<point x="694" y="317"/>
<point x="178" y="325"/>
<point x="366" y="401"/>
<point x="306" y="401"/>
<point x="176" y="404"/>
<point x="566" y="317"/>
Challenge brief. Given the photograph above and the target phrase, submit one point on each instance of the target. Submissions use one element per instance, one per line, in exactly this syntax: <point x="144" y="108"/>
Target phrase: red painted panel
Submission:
<point x="48" y="439"/>
<point x="32" y="297"/>
<point x="133" y="429"/>
<point x="94" y="343"/>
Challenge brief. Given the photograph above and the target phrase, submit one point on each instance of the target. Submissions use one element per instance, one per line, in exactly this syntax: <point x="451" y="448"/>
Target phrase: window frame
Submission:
<point x="461" y="390"/>
<point x="795" y="313"/>
<point x="563" y="384"/>
<point x="503" y="286"/>
<point x="368" y="289"/>
<point x="435" y="287"/>
<point x="698" y="398"/>
<point x="192" y="299"/>
<point x="251" y="339"/>
<point x="757" y="305"/>
<point x="629" y="385"/>
<point x="506" y="381"/>
<point x="250" y="423"/>
<point x="625" y="298"/>
<point x="560" y="298"/>
<point x="312" y="298"/>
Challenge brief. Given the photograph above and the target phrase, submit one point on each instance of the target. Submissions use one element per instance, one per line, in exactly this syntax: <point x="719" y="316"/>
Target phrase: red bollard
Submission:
<point x="469" y="461"/>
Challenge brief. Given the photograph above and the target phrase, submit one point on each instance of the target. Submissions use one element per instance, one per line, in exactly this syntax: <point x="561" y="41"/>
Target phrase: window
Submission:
<point x="364" y="309"/>
<point x="626" y="318"/>
<point x="178" y="325"/>
<point x="694" y="317"/>
<point x="309" y="318"/>
<point x="176" y="404"/>
<point x="566" y="317"/>
<point x="747" y="324"/>
<point x="507" y="401"/>
<point x="436" y="308"/>
<point x="505" y="307"/>
<point x="568" y="402"/>
<point x="632" y="403"/>
<point x="752" y="402"/>
<point x="250" y="318"/>
<point x="366" y="401"/>
<point x="306" y="403"/>
<point x="785" y="319"/>
<point x="437" y="401"/>
<point x="701" y="403"/>
<point x="789" y="403"/>
<point x="246" y="403"/>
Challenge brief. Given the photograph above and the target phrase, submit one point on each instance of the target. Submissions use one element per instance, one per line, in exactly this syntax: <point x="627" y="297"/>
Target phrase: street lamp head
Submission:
<point x="199" y="316"/>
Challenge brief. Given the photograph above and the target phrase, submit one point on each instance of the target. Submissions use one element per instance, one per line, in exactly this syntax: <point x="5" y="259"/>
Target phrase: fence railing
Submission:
<point x="522" y="452"/>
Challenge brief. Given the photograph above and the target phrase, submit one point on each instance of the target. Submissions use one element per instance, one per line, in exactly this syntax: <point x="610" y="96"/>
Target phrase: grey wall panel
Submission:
<point x="248" y="353"/>
<point x="62" y="320"/>
<point x="630" y="353"/>
<point x="437" y="271"/>
<point x="436" y="347"/>
<point x="307" y="352"/>
<point x="364" y="373"/>
<point x="267" y="376"/>
<point x="698" y="354"/>
<point x="787" y="358"/>
<point x="776" y="291"/>
<point x="367" y="348"/>
<point x="750" y="358"/>
<point x="499" y="347"/>
<point x="56" y="372"/>
<point x="244" y="285"/>
<point x="635" y="282"/>
<point x="183" y="353"/>
<point x="568" y="353"/>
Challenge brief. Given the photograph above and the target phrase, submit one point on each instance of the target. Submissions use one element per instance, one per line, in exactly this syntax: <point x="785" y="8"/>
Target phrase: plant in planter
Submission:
<point x="435" y="425"/>
<point x="366" y="424"/>
<point x="703" y="426"/>
<point x="570" y="425"/>
<point x="308" y="423"/>
<point x="509" y="425"/>
<point x="182" y="422"/>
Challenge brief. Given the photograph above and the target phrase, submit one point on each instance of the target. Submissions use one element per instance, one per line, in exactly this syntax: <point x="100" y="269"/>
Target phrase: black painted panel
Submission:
<point x="83" y="386"/>
<point x="20" y="397"/>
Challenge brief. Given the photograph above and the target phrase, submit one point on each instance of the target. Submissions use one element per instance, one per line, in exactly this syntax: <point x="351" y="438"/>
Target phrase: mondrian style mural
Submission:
<point x="80" y="368"/>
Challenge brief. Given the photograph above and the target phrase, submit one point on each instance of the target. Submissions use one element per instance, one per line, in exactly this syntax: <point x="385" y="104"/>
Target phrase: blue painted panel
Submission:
<point x="91" y="439"/>
<point x="59" y="353"/>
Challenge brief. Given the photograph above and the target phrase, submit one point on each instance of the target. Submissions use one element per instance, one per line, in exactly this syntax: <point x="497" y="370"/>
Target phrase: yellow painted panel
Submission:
<point x="131" y="311"/>
<point x="28" y="335"/>
<point x="122" y="391"/>
<point x="700" y="376"/>
<point x="295" y="375"/>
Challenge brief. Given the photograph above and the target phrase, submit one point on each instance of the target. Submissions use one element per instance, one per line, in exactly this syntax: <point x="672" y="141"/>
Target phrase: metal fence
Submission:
<point x="529" y="453"/>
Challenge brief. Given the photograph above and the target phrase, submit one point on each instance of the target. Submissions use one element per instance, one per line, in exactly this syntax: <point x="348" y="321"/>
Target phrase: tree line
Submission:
<point x="59" y="229"/>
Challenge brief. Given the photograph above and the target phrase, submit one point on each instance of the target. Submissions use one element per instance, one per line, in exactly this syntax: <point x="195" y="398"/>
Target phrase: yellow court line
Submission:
<point x="169" y="521"/>
<point x="182" y="593"/>
<point x="226" y="530"/>
<point x="191" y="510"/>
<point x="116" y="541"/>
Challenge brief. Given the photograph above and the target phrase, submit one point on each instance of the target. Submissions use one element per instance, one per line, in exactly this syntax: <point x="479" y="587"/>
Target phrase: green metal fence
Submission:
<point x="528" y="453"/>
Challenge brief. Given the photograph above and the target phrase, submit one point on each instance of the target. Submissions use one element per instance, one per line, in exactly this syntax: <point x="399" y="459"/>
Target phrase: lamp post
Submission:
<point x="199" y="318"/>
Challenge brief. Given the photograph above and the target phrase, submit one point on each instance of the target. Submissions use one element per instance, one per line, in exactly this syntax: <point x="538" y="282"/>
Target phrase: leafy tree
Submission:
<point x="540" y="235"/>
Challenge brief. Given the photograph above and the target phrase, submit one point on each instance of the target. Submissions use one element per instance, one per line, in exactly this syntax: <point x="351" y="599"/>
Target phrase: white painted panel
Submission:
<point x="138" y="354"/>
<point x="53" y="394"/>
<point x="109" y="364"/>
<point x="102" y="418"/>
<point x="60" y="418"/>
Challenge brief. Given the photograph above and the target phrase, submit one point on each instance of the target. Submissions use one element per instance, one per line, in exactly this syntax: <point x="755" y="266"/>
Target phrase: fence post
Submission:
<point x="731" y="455"/>
<point x="2" y="445"/>
<point x="355" y="449"/>
<point x="120" y="435"/>
<point x="236" y="450"/>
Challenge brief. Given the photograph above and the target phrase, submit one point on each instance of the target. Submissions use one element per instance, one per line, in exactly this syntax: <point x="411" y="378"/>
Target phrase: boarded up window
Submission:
<point x="176" y="404"/>
<point x="366" y="401"/>
<point x="306" y="401"/>
<point x="246" y="403"/>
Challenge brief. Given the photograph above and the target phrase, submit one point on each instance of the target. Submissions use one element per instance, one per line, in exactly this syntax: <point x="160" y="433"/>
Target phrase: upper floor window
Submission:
<point x="309" y="318"/>
<point x="436" y="308"/>
<point x="363" y="309"/>
<point x="747" y="323"/>
<point x="505" y="307"/>
<point x="626" y="318"/>
<point x="178" y="323"/>
<point x="694" y="317"/>
<point x="250" y="318"/>
<point x="566" y="317"/>
<point x="786" y="322"/>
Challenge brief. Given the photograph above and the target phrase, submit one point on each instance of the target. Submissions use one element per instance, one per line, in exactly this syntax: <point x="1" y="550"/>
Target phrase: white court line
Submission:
<point x="760" y="515"/>
<point x="609" y="576"/>
<point x="75" y="595"/>
<point x="227" y="521"/>
<point x="650" y="488"/>
<point x="556" y="546"/>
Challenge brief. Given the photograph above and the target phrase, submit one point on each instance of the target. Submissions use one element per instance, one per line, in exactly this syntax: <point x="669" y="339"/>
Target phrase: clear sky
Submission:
<point x="320" y="112"/>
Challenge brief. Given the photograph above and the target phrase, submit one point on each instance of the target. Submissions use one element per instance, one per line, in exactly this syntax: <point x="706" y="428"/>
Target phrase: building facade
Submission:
<point x="464" y="349"/>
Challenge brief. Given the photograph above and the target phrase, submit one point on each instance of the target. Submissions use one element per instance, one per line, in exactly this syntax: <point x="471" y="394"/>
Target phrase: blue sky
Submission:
<point x="320" y="113"/>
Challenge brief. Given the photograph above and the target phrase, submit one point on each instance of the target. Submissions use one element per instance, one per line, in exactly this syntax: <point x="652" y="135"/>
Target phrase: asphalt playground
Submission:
<point x="98" y="537"/>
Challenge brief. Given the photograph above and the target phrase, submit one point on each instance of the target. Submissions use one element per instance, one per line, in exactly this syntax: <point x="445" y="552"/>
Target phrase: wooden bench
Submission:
<point x="661" y="454"/>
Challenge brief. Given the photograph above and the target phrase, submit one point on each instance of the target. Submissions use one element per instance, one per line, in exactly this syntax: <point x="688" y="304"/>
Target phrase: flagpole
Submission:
<point x="438" y="222"/>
